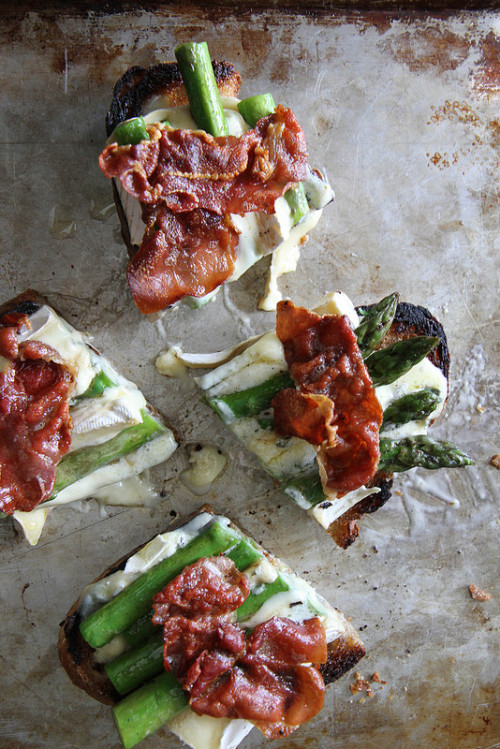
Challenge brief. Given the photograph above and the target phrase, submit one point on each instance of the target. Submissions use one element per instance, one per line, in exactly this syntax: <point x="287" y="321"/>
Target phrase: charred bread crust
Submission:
<point x="139" y="84"/>
<point x="410" y="320"/>
<point x="76" y="655"/>
<point x="25" y="304"/>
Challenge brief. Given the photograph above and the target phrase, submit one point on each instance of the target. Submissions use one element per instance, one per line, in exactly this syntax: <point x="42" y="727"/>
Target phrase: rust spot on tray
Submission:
<point x="480" y="139"/>
<point x="486" y="80"/>
<point x="427" y="47"/>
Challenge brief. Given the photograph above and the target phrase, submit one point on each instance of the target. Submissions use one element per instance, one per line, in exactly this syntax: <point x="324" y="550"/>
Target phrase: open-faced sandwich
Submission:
<point x="70" y="424"/>
<point x="204" y="631"/>
<point x="205" y="185"/>
<point x="335" y="400"/>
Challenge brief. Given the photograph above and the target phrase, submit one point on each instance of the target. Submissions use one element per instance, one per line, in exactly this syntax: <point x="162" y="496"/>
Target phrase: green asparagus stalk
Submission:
<point x="243" y="555"/>
<point x="255" y="600"/>
<point x="387" y="364"/>
<point x="135" y="600"/>
<point x="130" y="132"/>
<point x="75" y="465"/>
<point x="140" y="630"/>
<point x="98" y="385"/>
<point x="411" y="407"/>
<point x="251" y="401"/>
<point x="147" y="709"/>
<point x="305" y="489"/>
<point x="252" y="109"/>
<point x="255" y="107"/>
<point x="375" y="322"/>
<point x="201" y="87"/>
<point x="136" y="666"/>
<point x="296" y="199"/>
<point x="422" y="451"/>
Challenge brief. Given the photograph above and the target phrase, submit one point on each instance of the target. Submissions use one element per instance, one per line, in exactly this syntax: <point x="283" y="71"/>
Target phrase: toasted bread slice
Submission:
<point x="291" y="461"/>
<point x="345" y="649"/>
<point x="100" y="453"/>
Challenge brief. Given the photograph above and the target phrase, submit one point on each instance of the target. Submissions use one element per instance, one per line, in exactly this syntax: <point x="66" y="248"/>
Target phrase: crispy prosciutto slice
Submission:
<point x="334" y="406"/>
<point x="187" y="169"/>
<point x="268" y="676"/>
<point x="181" y="254"/>
<point x="188" y="183"/>
<point x="35" y="426"/>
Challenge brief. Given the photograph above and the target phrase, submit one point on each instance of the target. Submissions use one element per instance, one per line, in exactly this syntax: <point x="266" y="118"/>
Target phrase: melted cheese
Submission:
<point x="286" y="458"/>
<point x="206" y="464"/>
<point x="260" y="234"/>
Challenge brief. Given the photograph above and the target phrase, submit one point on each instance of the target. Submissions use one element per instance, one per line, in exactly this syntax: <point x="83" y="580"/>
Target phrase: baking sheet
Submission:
<point x="403" y="114"/>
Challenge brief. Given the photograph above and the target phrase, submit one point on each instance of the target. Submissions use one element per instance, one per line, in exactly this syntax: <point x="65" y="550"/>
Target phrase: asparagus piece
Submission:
<point x="296" y="199"/>
<point x="375" y="322"/>
<point x="243" y="555"/>
<point x="130" y="132"/>
<point x="255" y="600"/>
<point x="98" y="385"/>
<point x="135" y="600"/>
<point x="251" y="401"/>
<point x="422" y="451"/>
<point x="305" y="489"/>
<point x="147" y="709"/>
<point x="75" y="465"/>
<point x="387" y="364"/>
<point x="140" y="630"/>
<point x="255" y="107"/>
<point x="411" y="407"/>
<point x="252" y="109"/>
<point x="201" y="87"/>
<point x="134" y="667"/>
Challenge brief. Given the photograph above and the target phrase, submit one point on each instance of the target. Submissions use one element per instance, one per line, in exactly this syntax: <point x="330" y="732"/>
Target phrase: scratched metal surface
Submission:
<point x="403" y="113"/>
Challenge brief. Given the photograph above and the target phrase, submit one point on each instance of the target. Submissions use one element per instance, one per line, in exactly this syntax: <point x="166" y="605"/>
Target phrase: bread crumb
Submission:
<point x="376" y="677"/>
<point x="361" y="685"/>
<point x="495" y="460"/>
<point x="477" y="594"/>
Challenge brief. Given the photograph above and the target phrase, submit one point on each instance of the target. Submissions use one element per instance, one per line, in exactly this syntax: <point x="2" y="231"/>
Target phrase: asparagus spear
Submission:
<point x="148" y="708"/>
<point x="75" y="465"/>
<point x="98" y="385"/>
<point x="306" y="489"/>
<point x="423" y="451"/>
<point x="251" y="401"/>
<point x="201" y="87"/>
<point x="387" y="364"/>
<point x="136" y="666"/>
<point x="135" y="600"/>
<point x="130" y="132"/>
<point x="411" y="407"/>
<point x="296" y="199"/>
<point x="255" y="107"/>
<point x="375" y="322"/>
<point x="252" y="109"/>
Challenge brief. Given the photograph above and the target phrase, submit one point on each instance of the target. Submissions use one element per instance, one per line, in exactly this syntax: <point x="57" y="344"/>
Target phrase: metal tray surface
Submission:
<point x="402" y="112"/>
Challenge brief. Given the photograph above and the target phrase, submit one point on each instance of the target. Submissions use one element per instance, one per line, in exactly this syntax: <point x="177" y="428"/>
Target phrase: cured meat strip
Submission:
<point x="185" y="169"/>
<point x="35" y="426"/>
<point x="181" y="254"/>
<point x="335" y="406"/>
<point x="228" y="673"/>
